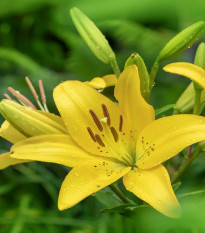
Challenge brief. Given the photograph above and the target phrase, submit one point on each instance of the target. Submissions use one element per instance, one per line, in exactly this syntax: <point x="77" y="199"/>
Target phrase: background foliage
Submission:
<point x="38" y="39"/>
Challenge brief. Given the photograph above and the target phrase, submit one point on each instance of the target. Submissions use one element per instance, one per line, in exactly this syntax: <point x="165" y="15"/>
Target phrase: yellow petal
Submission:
<point x="110" y="80"/>
<point x="8" y="132"/>
<point x="74" y="101"/>
<point x="153" y="186"/>
<point x="101" y="83"/>
<point x="97" y="83"/>
<point x="6" y="160"/>
<point x="195" y="73"/>
<point x="127" y="91"/>
<point x="87" y="179"/>
<point x="165" y="137"/>
<point x="59" y="149"/>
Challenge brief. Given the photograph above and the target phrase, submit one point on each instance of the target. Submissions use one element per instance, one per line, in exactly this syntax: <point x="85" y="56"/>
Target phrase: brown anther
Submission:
<point x="99" y="140"/>
<point x="121" y="123"/>
<point x="106" y="114"/>
<point x="21" y="98"/>
<point x="32" y="89"/>
<point x="8" y="97"/>
<point x="43" y="96"/>
<point x="114" y="133"/>
<point x="96" y="120"/>
<point x="91" y="133"/>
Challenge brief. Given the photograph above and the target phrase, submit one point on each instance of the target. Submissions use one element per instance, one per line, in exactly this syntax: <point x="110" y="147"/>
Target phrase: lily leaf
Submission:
<point x="163" y="109"/>
<point x="176" y="186"/>
<point x="128" y="210"/>
<point x="108" y="198"/>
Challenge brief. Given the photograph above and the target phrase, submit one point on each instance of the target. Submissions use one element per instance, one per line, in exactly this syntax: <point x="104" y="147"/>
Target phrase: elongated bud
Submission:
<point x="200" y="61"/>
<point x="200" y="56"/>
<point x="181" y="41"/>
<point x="185" y="102"/>
<point x="94" y="38"/>
<point x="135" y="59"/>
<point x="30" y="122"/>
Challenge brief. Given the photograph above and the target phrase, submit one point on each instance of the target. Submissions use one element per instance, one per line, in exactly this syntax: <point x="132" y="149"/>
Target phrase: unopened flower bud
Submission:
<point x="200" y="61"/>
<point x="94" y="38"/>
<point x="135" y="59"/>
<point x="181" y="41"/>
<point x="185" y="102"/>
<point x="31" y="122"/>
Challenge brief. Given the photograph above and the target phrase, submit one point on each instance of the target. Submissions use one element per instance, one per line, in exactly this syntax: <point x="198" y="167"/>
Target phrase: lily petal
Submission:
<point x="101" y="83"/>
<point x="153" y="186"/>
<point x="74" y="101"/>
<point x="59" y="149"/>
<point x="97" y="83"/>
<point x="87" y="179"/>
<point x="110" y="80"/>
<point x="195" y="73"/>
<point x="8" y="132"/>
<point x="6" y="160"/>
<point x="133" y="106"/>
<point x="166" y="137"/>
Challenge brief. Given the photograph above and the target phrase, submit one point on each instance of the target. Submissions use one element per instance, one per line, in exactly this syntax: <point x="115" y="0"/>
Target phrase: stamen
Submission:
<point x="114" y="133"/>
<point x="32" y="89"/>
<point x="96" y="120"/>
<point x="91" y="133"/>
<point x="106" y="113"/>
<point x="121" y="123"/>
<point x="43" y="96"/>
<point x="21" y="98"/>
<point x="9" y="98"/>
<point x="99" y="140"/>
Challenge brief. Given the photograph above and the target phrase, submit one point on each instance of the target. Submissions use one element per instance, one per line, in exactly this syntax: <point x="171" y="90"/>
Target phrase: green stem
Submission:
<point x="185" y="165"/>
<point x="197" y="99"/>
<point x="153" y="73"/>
<point x="119" y="193"/>
<point x="115" y="68"/>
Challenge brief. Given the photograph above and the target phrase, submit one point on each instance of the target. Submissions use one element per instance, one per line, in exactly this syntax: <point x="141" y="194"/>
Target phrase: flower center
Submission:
<point x="111" y="141"/>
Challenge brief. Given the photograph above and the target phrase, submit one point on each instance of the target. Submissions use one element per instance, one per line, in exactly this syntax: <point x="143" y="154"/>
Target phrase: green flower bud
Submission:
<point x="200" y="56"/>
<point x="135" y="59"/>
<point x="200" y="61"/>
<point x="186" y="101"/>
<point x="31" y="122"/>
<point x="181" y="41"/>
<point x="94" y="38"/>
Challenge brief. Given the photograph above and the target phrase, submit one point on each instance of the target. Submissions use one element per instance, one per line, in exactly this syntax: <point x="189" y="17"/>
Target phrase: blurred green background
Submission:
<point x="38" y="39"/>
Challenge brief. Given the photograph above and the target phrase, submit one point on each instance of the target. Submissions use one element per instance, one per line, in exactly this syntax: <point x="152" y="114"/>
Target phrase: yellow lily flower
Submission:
<point x="107" y="142"/>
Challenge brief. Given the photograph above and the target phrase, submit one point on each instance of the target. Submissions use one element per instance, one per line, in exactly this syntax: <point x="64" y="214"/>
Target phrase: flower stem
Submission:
<point x="119" y="193"/>
<point x="197" y="101"/>
<point x="153" y="73"/>
<point x="115" y="68"/>
<point x="185" y="164"/>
